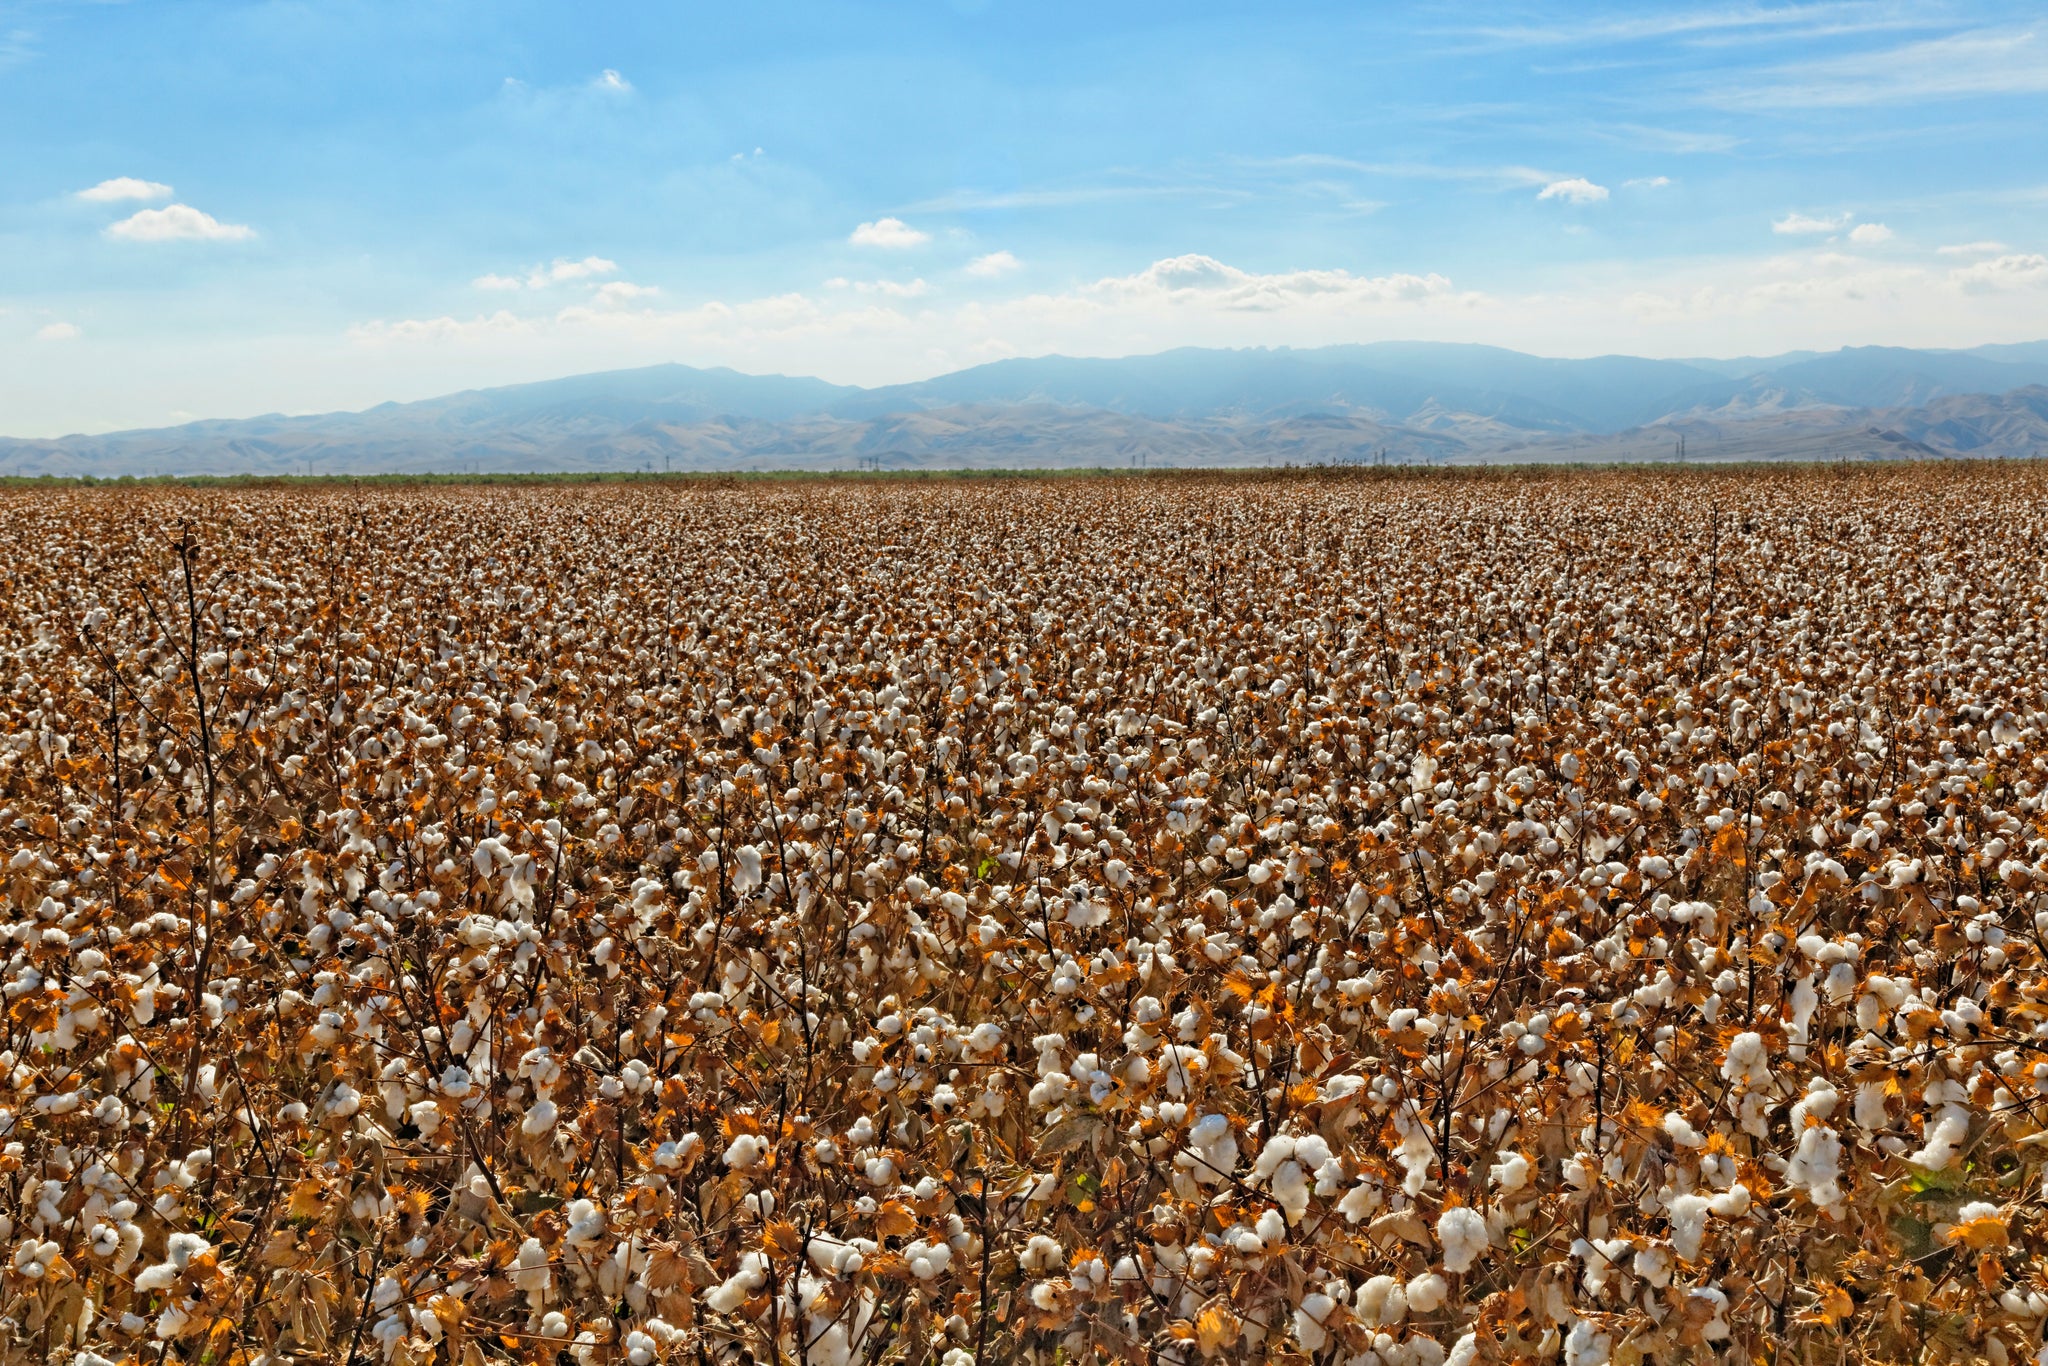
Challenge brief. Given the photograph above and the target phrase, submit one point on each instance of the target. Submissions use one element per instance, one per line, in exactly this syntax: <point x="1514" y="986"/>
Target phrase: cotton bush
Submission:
<point x="1568" y="917"/>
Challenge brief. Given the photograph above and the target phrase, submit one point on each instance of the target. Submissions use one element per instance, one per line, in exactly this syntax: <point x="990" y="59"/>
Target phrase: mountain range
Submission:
<point x="1404" y="402"/>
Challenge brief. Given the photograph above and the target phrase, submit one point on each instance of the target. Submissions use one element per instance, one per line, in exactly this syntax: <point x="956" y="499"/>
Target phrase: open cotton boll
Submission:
<point x="1426" y="1293"/>
<point x="1688" y="1215"/>
<point x="1681" y="1131"/>
<point x="1586" y="1345"/>
<point x="744" y="1152"/>
<point x="1314" y="1308"/>
<point x="1462" y="1231"/>
<point x="1747" y="1063"/>
<point x="1381" y="1302"/>
<point x="1511" y="1173"/>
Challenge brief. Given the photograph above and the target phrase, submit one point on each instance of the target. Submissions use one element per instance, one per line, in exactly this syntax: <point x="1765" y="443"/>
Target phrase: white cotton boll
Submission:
<point x="1359" y="1202"/>
<point x="1688" y="1215"/>
<point x="1732" y="1203"/>
<point x="1381" y="1302"/>
<point x="744" y="1152"/>
<point x="345" y="1101"/>
<point x="1041" y="1254"/>
<point x="586" y="1221"/>
<point x="1462" y="1231"/>
<point x="1464" y="1352"/>
<point x="1586" y="1345"/>
<point x="1271" y="1228"/>
<point x="1816" y="1166"/>
<point x="927" y="1261"/>
<point x="1869" y="1111"/>
<point x="1747" y="1062"/>
<point x="1426" y="1293"/>
<point x="424" y="1116"/>
<point x="540" y="1118"/>
<point x="1944" y="1137"/>
<point x="740" y="1287"/>
<point x="1511" y="1173"/>
<point x="746" y="873"/>
<point x="1308" y="1320"/>
<point x="1087" y="914"/>
<point x="1681" y="1131"/>
<point x="530" y="1271"/>
<point x="1290" y="1187"/>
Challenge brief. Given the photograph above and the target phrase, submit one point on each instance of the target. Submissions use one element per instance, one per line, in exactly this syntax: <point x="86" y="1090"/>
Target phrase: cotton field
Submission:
<point x="1382" y="921"/>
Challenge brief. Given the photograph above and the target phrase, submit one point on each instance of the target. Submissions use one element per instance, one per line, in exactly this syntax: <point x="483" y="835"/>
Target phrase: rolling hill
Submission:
<point x="1404" y="402"/>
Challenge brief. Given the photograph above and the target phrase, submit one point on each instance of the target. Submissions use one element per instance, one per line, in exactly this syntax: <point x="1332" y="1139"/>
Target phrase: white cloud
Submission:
<point x="2020" y="270"/>
<point x="562" y="269"/>
<point x="1972" y="249"/>
<point x="1577" y="190"/>
<point x="613" y="83"/>
<point x="503" y="323"/>
<point x="125" y="187"/>
<point x="1208" y="282"/>
<point x="59" y="332"/>
<point x="571" y="270"/>
<point x="619" y="293"/>
<point x="894" y="289"/>
<point x="1870" y="234"/>
<point x="993" y="264"/>
<point x="891" y="233"/>
<point x="1795" y="224"/>
<point x="178" y="223"/>
<point x="1653" y="182"/>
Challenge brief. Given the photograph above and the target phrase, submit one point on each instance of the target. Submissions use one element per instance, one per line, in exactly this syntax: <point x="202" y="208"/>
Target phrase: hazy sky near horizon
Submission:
<point x="220" y="208"/>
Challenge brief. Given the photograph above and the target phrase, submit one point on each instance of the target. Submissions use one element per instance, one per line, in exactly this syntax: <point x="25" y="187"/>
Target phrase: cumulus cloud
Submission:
<point x="1207" y="281"/>
<point x="613" y="83"/>
<point x="2018" y="270"/>
<point x="59" y="332"/>
<point x="1870" y="234"/>
<point x="995" y="263"/>
<point x="124" y="187"/>
<point x="1796" y="224"/>
<point x="561" y="270"/>
<point x="178" y="223"/>
<point x="1972" y="249"/>
<point x="890" y="233"/>
<point x="895" y="289"/>
<point x="1577" y="190"/>
<point x="572" y="270"/>
<point x="619" y="293"/>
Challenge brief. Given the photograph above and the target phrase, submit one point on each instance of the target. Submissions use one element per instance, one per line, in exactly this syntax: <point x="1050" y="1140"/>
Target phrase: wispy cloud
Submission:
<point x="124" y="187"/>
<point x="1870" y="234"/>
<point x="969" y="201"/>
<point x="994" y="264"/>
<point x="890" y="234"/>
<point x="1577" y="190"/>
<point x="893" y="289"/>
<point x="1971" y="249"/>
<point x="1752" y="23"/>
<point x="562" y="269"/>
<point x="178" y="223"/>
<point x="1978" y="63"/>
<point x="1799" y="224"/>
<point x="59" y="332"/>
<point x="1651" y="182"/>
<point x="612" y="83"/>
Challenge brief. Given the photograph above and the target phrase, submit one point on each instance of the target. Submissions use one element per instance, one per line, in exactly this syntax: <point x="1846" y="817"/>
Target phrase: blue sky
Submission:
<point x="217" y="209"/>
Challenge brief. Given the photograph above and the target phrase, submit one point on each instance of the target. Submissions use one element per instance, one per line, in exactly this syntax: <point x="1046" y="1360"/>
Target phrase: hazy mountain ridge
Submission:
<point x="1398" y="402"/>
